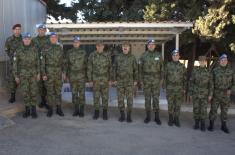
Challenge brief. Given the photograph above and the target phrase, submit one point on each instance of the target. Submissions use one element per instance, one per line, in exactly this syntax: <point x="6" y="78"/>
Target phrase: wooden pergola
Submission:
<point x="115" y="32"/>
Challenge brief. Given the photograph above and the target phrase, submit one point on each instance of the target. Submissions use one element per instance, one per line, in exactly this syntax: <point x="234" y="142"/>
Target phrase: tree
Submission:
<point x="57" y="10"/>
<point x="218" y="24"/>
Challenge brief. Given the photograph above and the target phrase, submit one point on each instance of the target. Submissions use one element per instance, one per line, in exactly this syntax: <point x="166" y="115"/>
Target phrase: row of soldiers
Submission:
<point x="41" y="63"/>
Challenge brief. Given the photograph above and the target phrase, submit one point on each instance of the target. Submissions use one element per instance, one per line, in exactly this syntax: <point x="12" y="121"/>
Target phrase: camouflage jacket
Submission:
<point x="53" y="60"/>
<point x="125" y="70"/>
<point x="151" y="65"/>
<point x="201" y="83"/>
<point x="40" y="42"/>
<point x="99" y="67"/>
<point x="11" y="45"/>
<point x="26" y="62"/>
<point x="76" y="63"/>
<point x="223" y="78"/>
<point x="175" y="76"/>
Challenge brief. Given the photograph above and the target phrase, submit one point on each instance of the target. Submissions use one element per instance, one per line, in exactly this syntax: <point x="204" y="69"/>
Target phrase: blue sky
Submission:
<point x="68" y="2"/>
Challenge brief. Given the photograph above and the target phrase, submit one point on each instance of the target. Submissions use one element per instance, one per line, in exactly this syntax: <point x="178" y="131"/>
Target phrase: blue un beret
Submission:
<point x="151" y="41"/>
<point x="174" y="52"/>
<point x="53" y="34"/>
<point x="26" y="35"/>
<point x="222" y="56"/>
<point x="41" y="26"/>
<point x="76" y="38"/>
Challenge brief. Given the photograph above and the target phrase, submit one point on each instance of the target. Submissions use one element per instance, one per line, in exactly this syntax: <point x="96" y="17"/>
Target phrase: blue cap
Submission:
<point x="174" y="52"/>
<point x="76" y="38"/>
<point x="53" y="34"/>
<point x="222" y="56"/>
<point x="41" y="26"/>
<point x="26" y="35"/>
<point x="151" y="41"/>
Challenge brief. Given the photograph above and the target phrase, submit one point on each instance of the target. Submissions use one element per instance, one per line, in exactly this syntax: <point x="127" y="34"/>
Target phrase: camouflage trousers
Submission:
<point x="200" y="107"/>
<point x="53" y="86"/>
<point x="12" y="86"/>
<point x="28" y="86"/>
<point x="151" y="94"/>
<point x="122" y="92"/>
<point x="100" y="90"/>
<point x="222" y="100"/>
<point x="78" y="87"/>
<point x="174" y="99"/>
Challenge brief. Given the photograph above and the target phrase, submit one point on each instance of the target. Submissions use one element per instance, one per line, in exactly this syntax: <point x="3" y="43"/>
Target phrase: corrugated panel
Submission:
<point x="26" y="12"/>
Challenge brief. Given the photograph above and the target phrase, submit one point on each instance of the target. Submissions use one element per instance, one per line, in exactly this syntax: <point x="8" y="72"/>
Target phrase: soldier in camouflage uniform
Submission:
<point x="175" y="81"/>
<point x="26" y="71"/>
<point x="40" y="41"/>
<point x="125" y="74"/>
<point x="76" y="71"/>
<point x="200" y="92"/>
<point x="12" y="43"/>
<point x="53" y="62"/>
<point x="151" y="74"/>
<point x="99" y="75"/>
<point x="224" y="82"/>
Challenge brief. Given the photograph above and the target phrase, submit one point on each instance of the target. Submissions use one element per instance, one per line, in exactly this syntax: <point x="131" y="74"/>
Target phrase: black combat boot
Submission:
<point x="224" y="127"/>
<point x="211" y="126"/>
<point x="34" y="112"/>
<point x="81" y="113"/>
<point x="105" y="114"/>
<point x="122" y="116"/>
<point x="76" y="110"/>
<point x="27" y="112"/>
<point x="170" y="122"/>
<point x="96" y="114"/>
<point x="148" y="117"/>
<point x="59" y="110"/>
<point x="196" y="125"/>
<point x="203" y="125"/>
<point x="50" y="111"/>
<point x="128" y="118"/>
<point x="12" y="98"/>
<point x="177" y="121"/>
<point x="157" y="119"/>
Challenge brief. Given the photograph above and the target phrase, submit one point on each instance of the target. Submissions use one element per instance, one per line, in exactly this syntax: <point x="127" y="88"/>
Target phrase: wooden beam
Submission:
<point x="117" y="38"/>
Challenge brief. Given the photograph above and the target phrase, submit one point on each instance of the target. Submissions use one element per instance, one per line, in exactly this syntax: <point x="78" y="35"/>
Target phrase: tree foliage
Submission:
<point x="219" y="23"/>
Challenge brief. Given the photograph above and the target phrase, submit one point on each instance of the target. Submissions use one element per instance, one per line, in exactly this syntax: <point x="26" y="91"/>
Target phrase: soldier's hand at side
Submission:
<point x="209" y="98"/>
<point x="64" y="77"/>
<point x="17" y="80"/>
<point x="38" y="77"/>
<point x="228" y="93"/>
<point x="90" y="84"/>
<point x="44" y="78"/>
<point x="135" y="83"/>
<point x="191" y="98"/>
<point x="114" y="83"/>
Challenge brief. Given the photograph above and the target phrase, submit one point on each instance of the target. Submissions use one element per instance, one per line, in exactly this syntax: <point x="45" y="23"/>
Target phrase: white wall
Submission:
<point x="26" y="12"/>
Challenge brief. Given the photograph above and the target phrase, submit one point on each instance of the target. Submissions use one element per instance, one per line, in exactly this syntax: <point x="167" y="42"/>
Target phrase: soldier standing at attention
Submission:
<point x="76" y="71"/>
<point x="53" y="62"/>
<point x="99" y="75"/>
<point x="175" y="80"/>
<point x="200" y="92"/>
<point x="40" y="41"/>
<point x="125" y="75"/>
<point x="151" y="74"/>
<point x="26" y="72"/>
<point x="12" y="43"/>
<point x="224" y="82"/>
